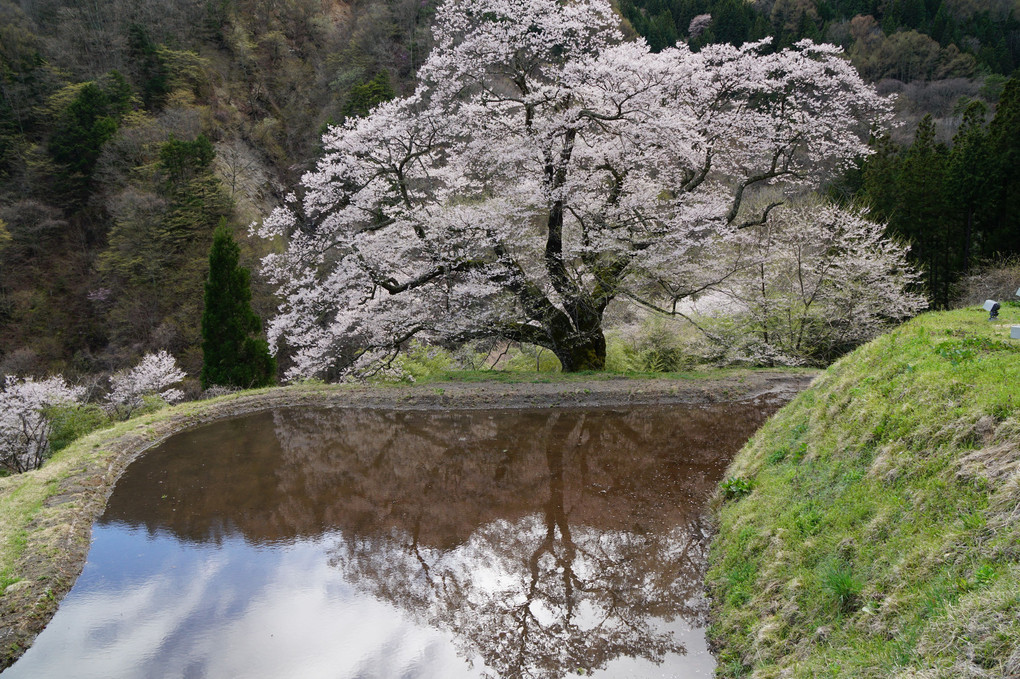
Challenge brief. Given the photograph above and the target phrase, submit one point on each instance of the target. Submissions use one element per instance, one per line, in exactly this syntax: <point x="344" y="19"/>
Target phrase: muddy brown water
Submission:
<point x="374" y="543"/>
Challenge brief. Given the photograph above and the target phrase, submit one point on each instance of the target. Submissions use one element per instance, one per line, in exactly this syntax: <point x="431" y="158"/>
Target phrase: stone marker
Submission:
<point x="1014" y="332"/>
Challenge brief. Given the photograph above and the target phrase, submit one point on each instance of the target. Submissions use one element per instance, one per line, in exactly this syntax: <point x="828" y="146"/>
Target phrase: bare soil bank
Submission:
<point x="48" y="514"/>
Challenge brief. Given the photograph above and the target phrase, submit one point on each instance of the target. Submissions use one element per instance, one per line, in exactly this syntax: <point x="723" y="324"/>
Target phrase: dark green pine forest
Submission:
<point x="130" y="129"/>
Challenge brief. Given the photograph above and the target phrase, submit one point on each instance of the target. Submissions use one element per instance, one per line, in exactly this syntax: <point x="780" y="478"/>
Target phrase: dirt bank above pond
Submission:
<point x="46" y="515"/>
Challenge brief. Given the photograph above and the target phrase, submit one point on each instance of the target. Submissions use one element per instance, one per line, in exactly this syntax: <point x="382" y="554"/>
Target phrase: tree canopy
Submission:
<point x="542" y="168"/>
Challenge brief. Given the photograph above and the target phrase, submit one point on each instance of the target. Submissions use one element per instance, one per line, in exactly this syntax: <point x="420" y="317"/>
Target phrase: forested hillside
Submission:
<point x="129" y="129"/>
<point x="902" y="39"/>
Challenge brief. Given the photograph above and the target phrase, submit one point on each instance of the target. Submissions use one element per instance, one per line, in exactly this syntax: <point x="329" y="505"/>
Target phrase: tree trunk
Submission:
<point x="582" y="351"/>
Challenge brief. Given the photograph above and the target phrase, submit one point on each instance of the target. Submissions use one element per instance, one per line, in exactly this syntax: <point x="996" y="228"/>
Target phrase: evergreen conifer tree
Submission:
<point x="967" y="180"/>
<point x="921" y="212"/>
<point x="367" y="95"/>
<point x="1004" y="148"/>
<point x="233" y="354"/>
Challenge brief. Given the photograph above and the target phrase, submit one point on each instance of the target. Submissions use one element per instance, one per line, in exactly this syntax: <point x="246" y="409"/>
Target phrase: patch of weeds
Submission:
<point x="736" y="487"/>
<point x="778" y="456"/>
<point x="1001" y="411"/>
<point x="840" y="583"/>
<point x="960" y="351"/>
<point x="955" y="352"/>
<point x="941" y="594"/>
<point x="6" y="580"/>
<point x="808" y="521"/>
<point x="985" y="575"/>
<point x="740" y="579"/>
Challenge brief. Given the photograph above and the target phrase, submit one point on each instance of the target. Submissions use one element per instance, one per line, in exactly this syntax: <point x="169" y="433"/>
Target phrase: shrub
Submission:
<point x="70" y="422"/>
<point x="422" y="361"/>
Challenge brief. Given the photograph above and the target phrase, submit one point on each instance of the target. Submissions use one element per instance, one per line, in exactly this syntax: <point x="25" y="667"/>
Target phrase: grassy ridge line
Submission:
<point x="46" y="515"/>
<point x="873" y="525"/>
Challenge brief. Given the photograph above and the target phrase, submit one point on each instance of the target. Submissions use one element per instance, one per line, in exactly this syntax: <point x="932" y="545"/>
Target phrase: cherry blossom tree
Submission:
<point x="542" y="168"/>
<point x="24" y="425"/>
<point x="153" y="376"/>
<point x="825" y="280"/>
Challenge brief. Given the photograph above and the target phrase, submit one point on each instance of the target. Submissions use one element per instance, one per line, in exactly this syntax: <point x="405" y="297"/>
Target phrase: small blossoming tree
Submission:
<point x="24" y="425"/>
<point x="824" y="280"/>
<point x="153" y="376"/>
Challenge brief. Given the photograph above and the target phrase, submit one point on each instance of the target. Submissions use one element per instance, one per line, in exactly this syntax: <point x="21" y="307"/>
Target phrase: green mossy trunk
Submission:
<point x="582" y="351"/>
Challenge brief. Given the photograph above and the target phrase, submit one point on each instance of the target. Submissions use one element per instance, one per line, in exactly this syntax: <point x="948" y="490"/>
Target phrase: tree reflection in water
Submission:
<point x="545" y="542"/>
<point x="613" y="546"/>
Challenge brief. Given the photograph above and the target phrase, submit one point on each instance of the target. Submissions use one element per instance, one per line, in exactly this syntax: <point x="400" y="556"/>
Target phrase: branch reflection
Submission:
<point x="547" y="542"/>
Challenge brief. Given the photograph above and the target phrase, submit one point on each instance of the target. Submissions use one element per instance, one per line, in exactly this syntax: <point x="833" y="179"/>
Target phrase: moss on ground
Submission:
<point x="872" y="527"/>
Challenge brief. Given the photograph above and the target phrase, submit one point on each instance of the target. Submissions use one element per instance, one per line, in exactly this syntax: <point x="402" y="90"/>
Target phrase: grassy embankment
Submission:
<point x="872" y="527"/>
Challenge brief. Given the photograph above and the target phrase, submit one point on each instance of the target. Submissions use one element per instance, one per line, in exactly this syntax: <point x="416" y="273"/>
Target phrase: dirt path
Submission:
<point x="47" y="515"/>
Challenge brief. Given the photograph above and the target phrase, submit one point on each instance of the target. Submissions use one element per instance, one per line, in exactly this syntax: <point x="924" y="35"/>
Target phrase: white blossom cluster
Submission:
<point x="542" y="168"/>
<point x="153" y="376"/>
<point x="24" y="426"/>
<point x="826" y="279"/>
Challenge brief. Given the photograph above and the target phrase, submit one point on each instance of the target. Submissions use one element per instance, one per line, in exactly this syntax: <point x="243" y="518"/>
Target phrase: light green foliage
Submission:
<point x="657" y="345"/>
<point x="528" y="357"/>
<point x="70" y="422"/>
<point x="425" y="363"/>
<point x="622" y="356"/>
<point x="880" y="536"/>
<point x="422" y="362"/>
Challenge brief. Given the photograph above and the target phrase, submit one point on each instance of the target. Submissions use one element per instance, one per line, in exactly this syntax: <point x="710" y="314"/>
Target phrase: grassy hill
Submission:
<point x="872" y="527"/>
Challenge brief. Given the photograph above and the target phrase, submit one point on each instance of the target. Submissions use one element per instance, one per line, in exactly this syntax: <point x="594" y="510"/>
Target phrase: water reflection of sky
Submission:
<point x="152" y="606"/>
<point x="149" y="606"/>
<point x="364" y="544"/>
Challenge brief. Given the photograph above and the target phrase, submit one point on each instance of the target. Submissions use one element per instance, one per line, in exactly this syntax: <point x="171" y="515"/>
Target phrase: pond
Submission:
<point x="362" y="543"/>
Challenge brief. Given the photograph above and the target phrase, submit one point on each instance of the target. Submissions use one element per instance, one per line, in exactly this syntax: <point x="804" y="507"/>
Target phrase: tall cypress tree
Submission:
<point x="967" y="181"/>
<point x="233" y="353"/>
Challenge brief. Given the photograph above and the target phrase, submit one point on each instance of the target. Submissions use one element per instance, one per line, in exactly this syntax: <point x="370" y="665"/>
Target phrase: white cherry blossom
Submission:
<point x="543" y="168"/>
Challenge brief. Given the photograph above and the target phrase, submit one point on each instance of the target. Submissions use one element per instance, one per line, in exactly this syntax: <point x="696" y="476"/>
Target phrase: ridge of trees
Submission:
<point x="930" y="38"/>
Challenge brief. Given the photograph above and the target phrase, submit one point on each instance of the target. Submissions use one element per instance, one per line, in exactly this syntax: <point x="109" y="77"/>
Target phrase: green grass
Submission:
<point x="881" y="533"/>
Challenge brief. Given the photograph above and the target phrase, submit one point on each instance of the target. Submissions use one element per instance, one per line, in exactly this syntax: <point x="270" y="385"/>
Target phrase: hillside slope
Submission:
<point x="129" y="129"/>
<point x="872" y="527"/>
